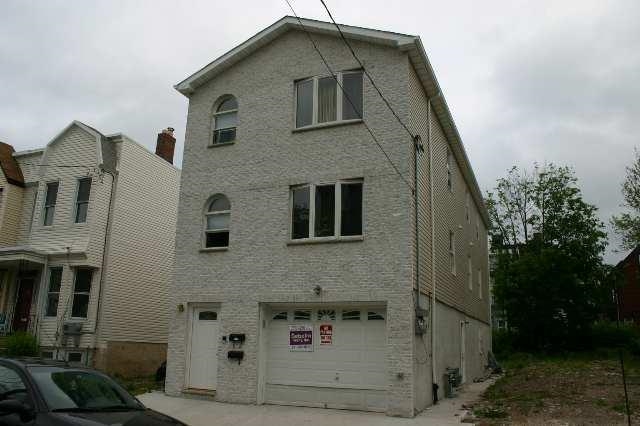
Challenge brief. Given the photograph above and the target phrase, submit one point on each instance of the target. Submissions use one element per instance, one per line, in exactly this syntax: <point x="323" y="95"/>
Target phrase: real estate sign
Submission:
<point x="301" y="338"/>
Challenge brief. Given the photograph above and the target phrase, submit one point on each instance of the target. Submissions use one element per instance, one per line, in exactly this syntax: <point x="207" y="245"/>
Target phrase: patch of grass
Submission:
<point x="491" y="412"/>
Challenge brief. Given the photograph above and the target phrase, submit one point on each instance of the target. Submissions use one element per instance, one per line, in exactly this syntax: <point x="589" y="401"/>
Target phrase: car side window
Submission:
<point x="12" y="386"/>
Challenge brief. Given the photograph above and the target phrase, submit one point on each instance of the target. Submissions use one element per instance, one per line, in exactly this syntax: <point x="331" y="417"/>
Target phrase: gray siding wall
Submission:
<point x="255" y="174"/>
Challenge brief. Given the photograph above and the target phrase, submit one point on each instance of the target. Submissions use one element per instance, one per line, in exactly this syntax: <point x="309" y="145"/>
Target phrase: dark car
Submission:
<point x="37" y="392"/>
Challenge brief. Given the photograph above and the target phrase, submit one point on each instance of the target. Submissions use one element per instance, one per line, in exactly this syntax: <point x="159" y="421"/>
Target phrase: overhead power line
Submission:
<point x="346" y="95"/>
<point x="353" y="53"/>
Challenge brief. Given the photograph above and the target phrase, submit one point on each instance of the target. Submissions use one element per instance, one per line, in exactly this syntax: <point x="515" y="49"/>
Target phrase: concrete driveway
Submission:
<point x="197" y="412"/>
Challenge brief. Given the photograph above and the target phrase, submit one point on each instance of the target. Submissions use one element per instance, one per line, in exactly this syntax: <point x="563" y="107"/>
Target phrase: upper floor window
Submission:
<point x="50" y="199"/>
<point x="225" y="120"/>
<point x="478" y="227"/>
<point x="452" y="252"/>
<point x="326" y="210"/>
<point x="320" y="99"/>
<point x="480" y="283"/>
<point x="217" y="222"/>
<point x="81" y="293"/>
<point x="82" y="199"/>
<point x="449" y="170"/>
<point x="470" y="272"/>
<point x="467" y="208"/>
<point x="1" y="191"/>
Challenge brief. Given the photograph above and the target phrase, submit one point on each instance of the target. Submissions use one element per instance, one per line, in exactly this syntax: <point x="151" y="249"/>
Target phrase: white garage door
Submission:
<point x="330" y="357"/>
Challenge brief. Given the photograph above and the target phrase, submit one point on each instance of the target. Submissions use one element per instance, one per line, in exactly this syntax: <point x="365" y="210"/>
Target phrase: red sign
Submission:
<point x="326" y="334"/>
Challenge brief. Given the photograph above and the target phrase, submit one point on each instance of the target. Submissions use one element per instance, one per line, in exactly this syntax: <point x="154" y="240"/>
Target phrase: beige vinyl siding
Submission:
<point x="452" y="290"/>
<point x="10" y="210"/>
<point x="141" y="245"/>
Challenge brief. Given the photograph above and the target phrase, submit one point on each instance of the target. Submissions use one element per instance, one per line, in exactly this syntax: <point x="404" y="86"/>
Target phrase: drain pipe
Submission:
<point x="434" y="373"/>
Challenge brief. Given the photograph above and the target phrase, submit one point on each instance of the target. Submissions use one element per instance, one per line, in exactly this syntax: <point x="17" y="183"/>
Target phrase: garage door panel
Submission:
<point x="373" y="400"/>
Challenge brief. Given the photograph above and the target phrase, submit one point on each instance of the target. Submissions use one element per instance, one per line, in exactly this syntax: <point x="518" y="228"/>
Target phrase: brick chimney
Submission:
<point x="166" y="144"/>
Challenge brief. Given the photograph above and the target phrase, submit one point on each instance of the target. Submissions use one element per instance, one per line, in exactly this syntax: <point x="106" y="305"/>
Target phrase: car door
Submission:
<point x="14" y="386"/>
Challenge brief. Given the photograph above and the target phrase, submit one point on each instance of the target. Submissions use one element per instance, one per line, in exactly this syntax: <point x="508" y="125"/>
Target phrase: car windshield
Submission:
<point x="65" y="389"/>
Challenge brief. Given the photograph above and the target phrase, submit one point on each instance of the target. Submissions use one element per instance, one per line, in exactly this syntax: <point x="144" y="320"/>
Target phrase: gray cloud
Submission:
<point x="526" y="80"/>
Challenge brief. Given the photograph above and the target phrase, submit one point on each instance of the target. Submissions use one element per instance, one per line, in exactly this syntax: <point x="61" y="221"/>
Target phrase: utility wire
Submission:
<point x="353" y="53"/>
<point x="333" y="74"/>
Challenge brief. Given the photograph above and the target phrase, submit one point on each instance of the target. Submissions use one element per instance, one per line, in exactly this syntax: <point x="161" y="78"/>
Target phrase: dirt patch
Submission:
<point x="577" y="389"/>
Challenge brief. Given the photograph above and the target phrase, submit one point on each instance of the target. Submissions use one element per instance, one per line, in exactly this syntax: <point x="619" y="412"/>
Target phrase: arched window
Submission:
<point x="217" y="222"/>
<point x="225" y="120"/>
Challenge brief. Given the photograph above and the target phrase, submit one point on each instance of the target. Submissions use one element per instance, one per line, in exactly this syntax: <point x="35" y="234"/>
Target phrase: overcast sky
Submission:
<point x="526" y="81"/>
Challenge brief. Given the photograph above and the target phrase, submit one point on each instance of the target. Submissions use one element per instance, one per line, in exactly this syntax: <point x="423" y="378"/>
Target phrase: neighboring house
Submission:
<point x="629" y="292"/>
<point x="86" y="248"/>
<point x="296" y="251"/>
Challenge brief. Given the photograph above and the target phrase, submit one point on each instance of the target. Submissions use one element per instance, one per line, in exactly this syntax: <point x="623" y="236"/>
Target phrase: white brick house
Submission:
<point x="88" y="231"/>
<point x="296" y="234"/>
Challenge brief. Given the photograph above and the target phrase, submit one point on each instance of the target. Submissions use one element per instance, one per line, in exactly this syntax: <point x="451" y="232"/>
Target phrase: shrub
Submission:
<point x="606" y="334"/>
<point x="502" y="343"/>
<point x="22" y="344"/>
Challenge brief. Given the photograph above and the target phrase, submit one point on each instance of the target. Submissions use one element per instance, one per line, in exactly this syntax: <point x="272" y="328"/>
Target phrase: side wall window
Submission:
<point x="53" y="295"/>
<point x="50" y="199"/>
<point x="449" y="170"/>
<point x="216" y="233"/>
<point x="82" y="199"/>
<point x="225" y="121"/>
<point x="81" y="292"/>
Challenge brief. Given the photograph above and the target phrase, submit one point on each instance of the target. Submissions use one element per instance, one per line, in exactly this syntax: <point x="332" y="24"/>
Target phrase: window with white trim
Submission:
<point x="225" y="121"/>
<point x="449" y="170"/>
<point x="326" y="210"/>
<point x="217" y="215"/>
<point x="50" y="199"/>
<point x="470" y="272"/>
<point x="320" y="99"/>
<point x="53" y="295"/>
<point x="452" y="252"/>
<point x="81" y="292"/>
<point x="82" y="199"/>
<point x="467" y="211"/>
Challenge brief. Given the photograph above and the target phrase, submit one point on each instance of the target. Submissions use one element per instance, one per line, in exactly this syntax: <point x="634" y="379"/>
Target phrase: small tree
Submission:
<point x="547" y="245"/>
<point x="627" y="224"/>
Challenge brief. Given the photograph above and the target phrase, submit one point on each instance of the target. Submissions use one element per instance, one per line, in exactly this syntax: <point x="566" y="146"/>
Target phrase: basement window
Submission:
<point x="74" y="357"/>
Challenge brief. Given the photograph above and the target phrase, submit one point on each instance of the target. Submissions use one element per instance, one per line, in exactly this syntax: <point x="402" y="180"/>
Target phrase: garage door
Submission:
<point x="331" y="357"/>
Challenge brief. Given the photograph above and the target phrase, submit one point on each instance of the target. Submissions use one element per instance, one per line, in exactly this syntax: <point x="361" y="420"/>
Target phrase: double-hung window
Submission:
<point x="320" y="100"/>
<point x="225" y="121"/>
<point x="449" y="170"/>
<point x="82" y="199"/>
<point x="480" y="283"/>
<point x="53" y="295"/>
<point x="326" y="210"/>
<point x="50" y="200"/>
<point x="470" y="272"/>
<point x="81" y="293"/>
<point x="452" y="252"/>
<point x="217" y="222"/>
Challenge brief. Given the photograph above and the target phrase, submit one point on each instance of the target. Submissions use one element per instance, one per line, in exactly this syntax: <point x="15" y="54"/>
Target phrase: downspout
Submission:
<point x="434" y="373"/>
<point x="107" y="229"/>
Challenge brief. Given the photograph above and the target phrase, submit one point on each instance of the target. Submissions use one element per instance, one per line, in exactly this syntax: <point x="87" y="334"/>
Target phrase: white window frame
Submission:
<point x="87" y="293"/>
<point x="46" y="206"/>
<point x="467" y="209"/>
<point x="449" y="170"/>
<point x="207" y="231"/>
<point x="46" y="310"/>
<point x="337" y="222"/>
<point x="217" y="114"/>
<point x="339" y="99"/>
<point x="470" y="272"/>
<point x="77" y="203"/>
<point x="452" y="252"/>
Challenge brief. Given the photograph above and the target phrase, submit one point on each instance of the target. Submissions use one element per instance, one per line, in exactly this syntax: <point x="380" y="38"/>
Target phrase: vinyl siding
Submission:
<point x="141" y="246"/>
<point x="10" y="209"/>
<point x="452" y="290"/>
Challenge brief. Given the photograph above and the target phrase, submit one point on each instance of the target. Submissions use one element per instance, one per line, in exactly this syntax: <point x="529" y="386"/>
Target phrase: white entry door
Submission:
<point x="203" y="361"/>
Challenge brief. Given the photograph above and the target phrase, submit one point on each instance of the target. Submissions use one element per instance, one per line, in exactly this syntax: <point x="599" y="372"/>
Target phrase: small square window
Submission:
<point x="280" y="316"/>
<point x="74" y="357"/>
<point x="46" y="355"/>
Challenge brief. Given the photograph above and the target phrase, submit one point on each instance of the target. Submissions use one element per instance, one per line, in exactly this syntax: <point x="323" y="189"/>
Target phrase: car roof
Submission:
<point x="25" y="362"/>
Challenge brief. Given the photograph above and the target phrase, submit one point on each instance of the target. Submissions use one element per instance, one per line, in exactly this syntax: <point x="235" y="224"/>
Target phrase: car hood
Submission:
<point x="116" y="418"/>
